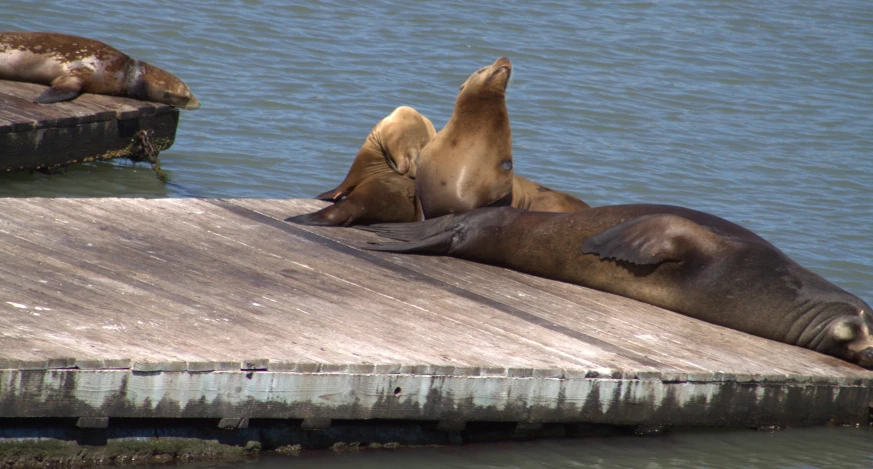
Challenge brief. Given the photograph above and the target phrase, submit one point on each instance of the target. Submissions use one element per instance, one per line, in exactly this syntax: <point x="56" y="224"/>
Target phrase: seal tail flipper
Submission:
<point x="439" y="243"/>
<point x="65" y="87"/>
<point x="651" y="239"/>
<point x="413" y="231"/>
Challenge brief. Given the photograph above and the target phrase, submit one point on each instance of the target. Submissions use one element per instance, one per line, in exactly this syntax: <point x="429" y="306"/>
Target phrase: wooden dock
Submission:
<point x="209" y="308"/>
<point x="89" y="128"/>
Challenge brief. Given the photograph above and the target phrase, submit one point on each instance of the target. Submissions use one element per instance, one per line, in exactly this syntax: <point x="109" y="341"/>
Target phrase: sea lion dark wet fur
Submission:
<point x="72" y="65"/>
<point x="680" y="259"/>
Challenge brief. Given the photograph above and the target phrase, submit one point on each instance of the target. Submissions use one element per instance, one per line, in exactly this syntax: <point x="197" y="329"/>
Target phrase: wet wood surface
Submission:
<point x="209" y="291"/>
<point x="87" y="128"/>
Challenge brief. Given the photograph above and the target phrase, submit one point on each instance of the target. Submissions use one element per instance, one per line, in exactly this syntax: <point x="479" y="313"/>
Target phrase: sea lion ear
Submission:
<point x="461" y="88"/>
<point x="650" y="239"/>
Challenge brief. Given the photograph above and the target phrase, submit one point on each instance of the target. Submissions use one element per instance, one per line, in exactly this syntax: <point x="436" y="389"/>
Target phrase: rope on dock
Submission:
<point x="144" y="150"/>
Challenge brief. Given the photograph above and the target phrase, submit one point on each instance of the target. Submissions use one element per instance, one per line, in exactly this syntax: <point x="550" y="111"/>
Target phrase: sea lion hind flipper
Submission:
<point x="65" y="87"/>
<point x="439" y="243"/>
<point x="649" y="240"/>
<point x="414" y="230"/>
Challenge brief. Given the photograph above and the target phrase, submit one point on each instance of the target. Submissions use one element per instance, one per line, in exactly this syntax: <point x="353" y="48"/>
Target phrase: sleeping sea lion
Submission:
<point x="378" y="187"/>
<point x="72" y="65"/>
<point x="679" y="259"/>
<point x="528" y="195"/>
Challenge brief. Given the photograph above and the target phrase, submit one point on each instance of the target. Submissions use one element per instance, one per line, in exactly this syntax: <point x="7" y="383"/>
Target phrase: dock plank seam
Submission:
<point x="363" y="255"/>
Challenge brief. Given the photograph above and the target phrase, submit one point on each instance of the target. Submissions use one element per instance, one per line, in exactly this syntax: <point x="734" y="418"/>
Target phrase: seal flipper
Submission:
<point x="328" y="216"/>
<point x="65" y="87"/>
<point x="651" y="239"/>
<point x="413" y="231"/>
<point x="439" y="243"/>
<point x="333" y="195"/>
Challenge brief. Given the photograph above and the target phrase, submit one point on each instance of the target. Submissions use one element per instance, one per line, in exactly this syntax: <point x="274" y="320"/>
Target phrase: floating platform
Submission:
<point x="91" y="127"/>
<point x="217" y="309"/>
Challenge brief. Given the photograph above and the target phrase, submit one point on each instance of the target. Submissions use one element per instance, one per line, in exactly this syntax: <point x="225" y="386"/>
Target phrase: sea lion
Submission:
<point x="528" y="195"/>
<point x="379" y="187"/>
<point x="680" y="259"/>
<point x="469" y="162"/>
<point x="386" y="197"/>
<point x="72" y="65"/>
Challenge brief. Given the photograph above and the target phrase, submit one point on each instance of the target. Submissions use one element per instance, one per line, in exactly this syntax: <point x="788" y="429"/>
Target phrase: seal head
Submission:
<point x="378" y="187"/>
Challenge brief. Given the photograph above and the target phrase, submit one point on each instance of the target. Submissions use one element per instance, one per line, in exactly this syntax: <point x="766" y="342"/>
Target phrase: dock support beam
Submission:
<point x="93" y="422"/>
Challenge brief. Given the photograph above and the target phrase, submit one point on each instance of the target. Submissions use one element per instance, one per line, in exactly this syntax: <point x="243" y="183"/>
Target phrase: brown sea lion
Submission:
<point x="378" y="188"/>
<point x="469" y="162"/>
<point x="528" y="195"/>
<point x="680" y="259"/>
<point x="72" y="65"/>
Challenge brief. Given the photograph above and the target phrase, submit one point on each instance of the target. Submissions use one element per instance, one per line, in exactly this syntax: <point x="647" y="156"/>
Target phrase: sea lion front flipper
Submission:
<point x="385" y="199"/>
<point x="333" y="195"/>
<point x="328" y="216"/>
<point x="651" y="239"/>
<point x="65" y="87"/>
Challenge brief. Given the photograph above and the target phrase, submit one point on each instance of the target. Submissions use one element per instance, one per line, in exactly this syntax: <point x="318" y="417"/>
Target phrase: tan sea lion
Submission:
<point x="469" y="162"/>
<point x="680" y="259"/>
<point x="528" y="195"/>
<point x="72" y="65"/>
<point x="378" y="188"/>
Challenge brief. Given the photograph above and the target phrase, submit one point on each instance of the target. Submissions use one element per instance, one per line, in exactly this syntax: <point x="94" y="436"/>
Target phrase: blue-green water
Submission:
<point x="841" y="448"/>
<point x="760" y="112"/>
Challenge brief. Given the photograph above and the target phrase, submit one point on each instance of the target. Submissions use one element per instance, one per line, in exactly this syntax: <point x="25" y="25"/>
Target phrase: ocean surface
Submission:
<point x="759" y="112"/>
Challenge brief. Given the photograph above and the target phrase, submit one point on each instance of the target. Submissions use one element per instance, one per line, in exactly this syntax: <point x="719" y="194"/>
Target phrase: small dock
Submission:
<point x="114" y="309"/>
<point x="89" y="128"/>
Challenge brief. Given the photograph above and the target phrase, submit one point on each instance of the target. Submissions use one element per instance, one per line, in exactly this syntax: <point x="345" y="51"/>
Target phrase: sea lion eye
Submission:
<point x="506" y="165"/>
<point x="481" y="70"/>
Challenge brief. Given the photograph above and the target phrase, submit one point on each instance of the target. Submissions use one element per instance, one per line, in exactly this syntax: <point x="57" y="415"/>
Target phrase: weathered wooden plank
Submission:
<point x="338" y="293"/>
<point x="17" y="99"/>
<point x="72" y="393"/>
<point x="704" y="346"/>
<point x="83" y="109"/>
<point x="88" y="128"/>
<point x="181" y="295"/>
